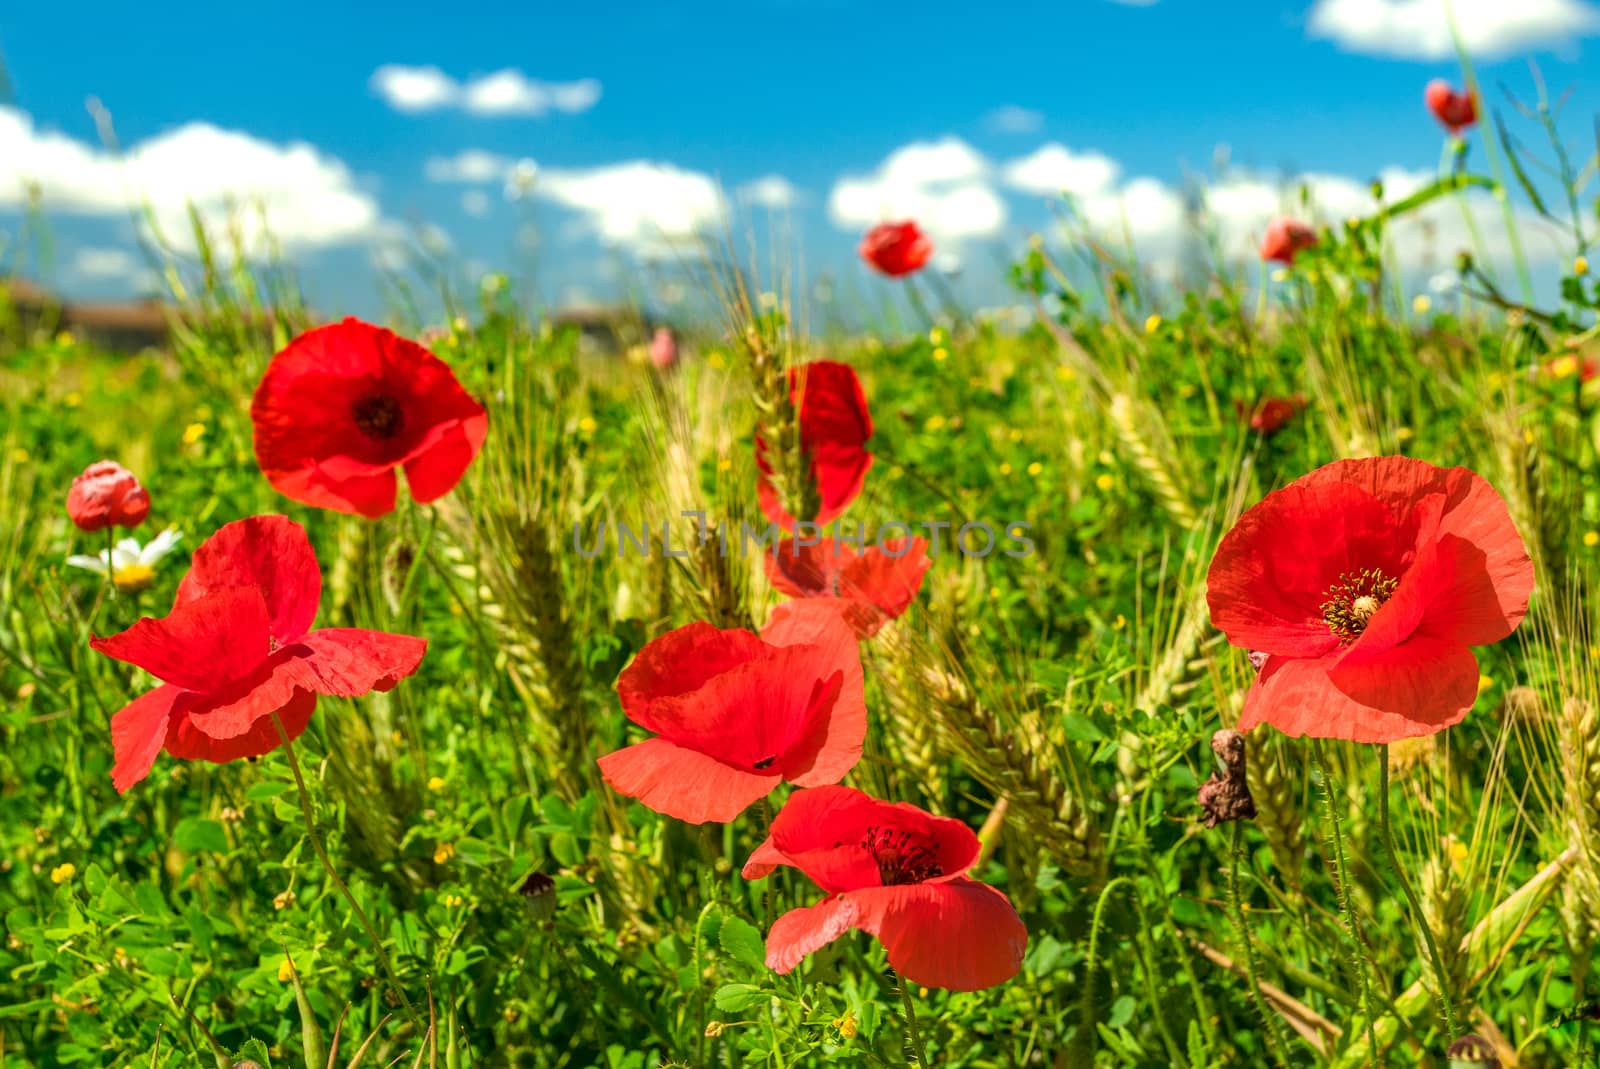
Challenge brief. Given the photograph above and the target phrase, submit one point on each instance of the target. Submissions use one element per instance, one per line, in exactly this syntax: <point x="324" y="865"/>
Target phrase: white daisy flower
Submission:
<point x="132" y="567"/>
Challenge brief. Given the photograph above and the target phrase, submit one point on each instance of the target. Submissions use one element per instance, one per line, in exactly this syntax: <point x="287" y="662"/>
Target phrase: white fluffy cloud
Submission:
<point x="945" y="185"/>
<point x="1420" y="29"/>
<point x="504" y="92"/>
<point x="1012" y="119"/>
<point x="1054" y="169"/>
<point x="473" y="165"/>
<point x="771" y="191"/>
<point x="307" y="199"/>
<point x="640" y="204"/>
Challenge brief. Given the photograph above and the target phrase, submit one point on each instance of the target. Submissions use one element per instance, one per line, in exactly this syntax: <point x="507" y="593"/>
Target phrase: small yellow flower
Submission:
<point x="1421" y="304"/>
<point x="846" y="1025"/>
<point x="1005" y="468"/>
<point x="1279" y="275"/>
<point x="63" y="872"/>
<point x="936" y="335"/>
<point x="1014" y="435"/>
<point x="21" y="455"/>
<point x="452" y="901"/>
<point x="1527" y="436"/>
<point x="283" y="899"/>
<point x="443" y="852"/>
<point x="1152" y="323"/>
<point x="26" y="691"/>
<point x="1404" y="434"/>
<point x="193" y="433"/>
<point x="285" y="971"/>
<point x="73" y="399"/>
<point x="1564" y="367"/>
<point x="1064" y="373"/>
<point x="396" y="738"/>
<point x="717" y="360"/>
<point x="1591" y="538"/>
<point x="1104" y="482"/>
<point x="587" y="425"/>
<point x="725" y="464"/>
<point x="1458" y="852"/>
<point x="994" y="593"/>
<point x="934" y="423"/>
<point x="435" y="783"/>
<point x="1484" y="683"/>
<point x="1580" y="266"/>
<point x="459" y="324"/>
<point x="65" y="338"/>
<point x="941" y="354"/>
<point x="1035" y="468"/>
<point x="1119" y="623"/>
<point x="120" y="955"/>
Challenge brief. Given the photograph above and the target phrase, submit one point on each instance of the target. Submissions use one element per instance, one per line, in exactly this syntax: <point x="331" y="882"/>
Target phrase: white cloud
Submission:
<point x="1055" y="169"/>
<point x="308" y="199"/>
<point x="772" y="191"/>
<point x="475" y="202"/>
<point x="1420" y="29"/>
<point x="473" y="165"/>
<point x="503" y="92"/>
<point x="944" y="185"/>
<point x="639" y="204"/>
<point x="1012" y="119"/>
<point x="105" y="263"/>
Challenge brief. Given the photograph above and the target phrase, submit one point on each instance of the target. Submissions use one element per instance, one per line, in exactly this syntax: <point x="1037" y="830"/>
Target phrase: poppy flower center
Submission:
<point x="1351" y="602"/>
<point x="377" y="416"/>
<point x="902" y="857"/>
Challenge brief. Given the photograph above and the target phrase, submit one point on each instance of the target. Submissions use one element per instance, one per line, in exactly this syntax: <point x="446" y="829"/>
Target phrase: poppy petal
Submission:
<point x="835" y="747"/>
<point x="684" y="783"/>
<point x="961" y="935"/>
<point x="1417" y="688"/>
<point x="681" y="662"/>
<point x="370" y="494"/>
<point x="806" y="930"/>
<point x="202" y="645"/>
<point x="188" y="742"/>
<point x="138" y="732"/>
<point x="434" y="472"/>
<point x="272" y="554"/>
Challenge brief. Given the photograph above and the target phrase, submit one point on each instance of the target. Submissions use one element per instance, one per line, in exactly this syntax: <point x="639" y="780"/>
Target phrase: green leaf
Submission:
<point x="736" y="998"/>
<point x="195" y="835"/>
<point x="742" y="942"/>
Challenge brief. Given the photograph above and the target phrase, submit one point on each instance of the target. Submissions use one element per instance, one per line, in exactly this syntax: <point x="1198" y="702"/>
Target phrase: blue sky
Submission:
<point x="636" y="114"/>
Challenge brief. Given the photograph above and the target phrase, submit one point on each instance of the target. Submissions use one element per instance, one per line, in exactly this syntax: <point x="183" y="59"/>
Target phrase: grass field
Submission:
<point x="439" y="873"/>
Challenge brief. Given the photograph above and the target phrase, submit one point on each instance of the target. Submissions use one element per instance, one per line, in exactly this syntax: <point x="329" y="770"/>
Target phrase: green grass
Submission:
<point x="1071" y="693"/>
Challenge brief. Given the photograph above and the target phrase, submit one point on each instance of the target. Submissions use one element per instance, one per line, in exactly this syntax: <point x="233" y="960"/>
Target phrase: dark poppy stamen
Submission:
<point x="1351" y="602"/>
<point x="377" y="416"/>
<point x="902" y="857"/>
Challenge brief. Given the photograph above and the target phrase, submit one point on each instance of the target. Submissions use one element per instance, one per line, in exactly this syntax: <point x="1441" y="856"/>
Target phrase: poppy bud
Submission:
<point x="1472" y="1052"/>
<point x="540" y="891"/>
<point x="896" y="249"/>
<point x="1284" y="238"/>
<point x="1226" y="795"/>
<point x="1454" y="110"/>
<point x="107" y="494"/>
<point x="664" y="349"/>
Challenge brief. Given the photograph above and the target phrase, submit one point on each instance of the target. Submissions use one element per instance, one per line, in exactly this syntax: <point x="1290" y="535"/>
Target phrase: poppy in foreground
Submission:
<point x="1271" y="414"/>
<point x="734" y="714"/>
<point x="1454" y="109"/>
<point x="868" y="589"/>
<point x="1364" y="584"/>
<point x="345" y="404"/>
<point x="1285" y="238"/>
<point x="896" y="249"/>
<point x="834" y="428"/>
<point x="898" y="874"/>
<point x="237" y="647"/>
<point x="107" y="495"/>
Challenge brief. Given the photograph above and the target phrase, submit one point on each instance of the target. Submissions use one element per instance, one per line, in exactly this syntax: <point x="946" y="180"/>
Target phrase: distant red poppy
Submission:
<point x="834" y="428"/>
<point x="345" y="404"/>
<point x="1455" y="110"/>
<point x="107" y="495"/>
<point x="1363" y="584"/>
<point x="868" y="589"/>
<point x="237" y="647"/>
<point x="1565" y="366"/>
<point x="734" y="714"/>
<point x="896" y="249"/>
<point x="1270" y="414"/>
<point x="1285" y="238"/>
<point x="898" y="874"/>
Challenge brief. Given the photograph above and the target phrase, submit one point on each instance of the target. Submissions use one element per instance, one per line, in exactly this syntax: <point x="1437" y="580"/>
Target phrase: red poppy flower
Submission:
<point x="734" y="714"/>
<point x="834" y="428"/>
<point x="1285" y="238"/>
<point x="898" y="874"/>
<point x="346" y="404"/>
<point x="1271" y="414"/>
<point x="237" y="647"/>
<point x="106" y="495"/>
<point x="896" y="249"/>
<point x="1454" y="110"/>
<point x="1364" y="583"/>
<point x="868" y="589"/>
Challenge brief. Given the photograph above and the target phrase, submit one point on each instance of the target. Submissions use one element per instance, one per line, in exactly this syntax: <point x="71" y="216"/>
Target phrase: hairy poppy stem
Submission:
<point x="1434" y="957"/>
<point x="327" y="865"/>
<point x="1346" y="906"/>
<point x="111" y="564"/>
<point x="913" y="1037"/>
<point x="1275" y="1037"/>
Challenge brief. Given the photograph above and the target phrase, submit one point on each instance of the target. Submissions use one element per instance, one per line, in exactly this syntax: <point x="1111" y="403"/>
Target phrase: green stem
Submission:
<point x="913" y="1037"/>
<point x="333" y="874"/>
<point x="1346" y="909"/>
<point x="111" y="562"/>
<point x="1275" y="1037"/>
<point x="1434" y="956"/>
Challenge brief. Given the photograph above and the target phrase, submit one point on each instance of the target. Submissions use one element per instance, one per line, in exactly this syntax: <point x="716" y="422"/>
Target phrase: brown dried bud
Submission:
<point x="1472" y="1051"/>
<point x="1226" y="795"/>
